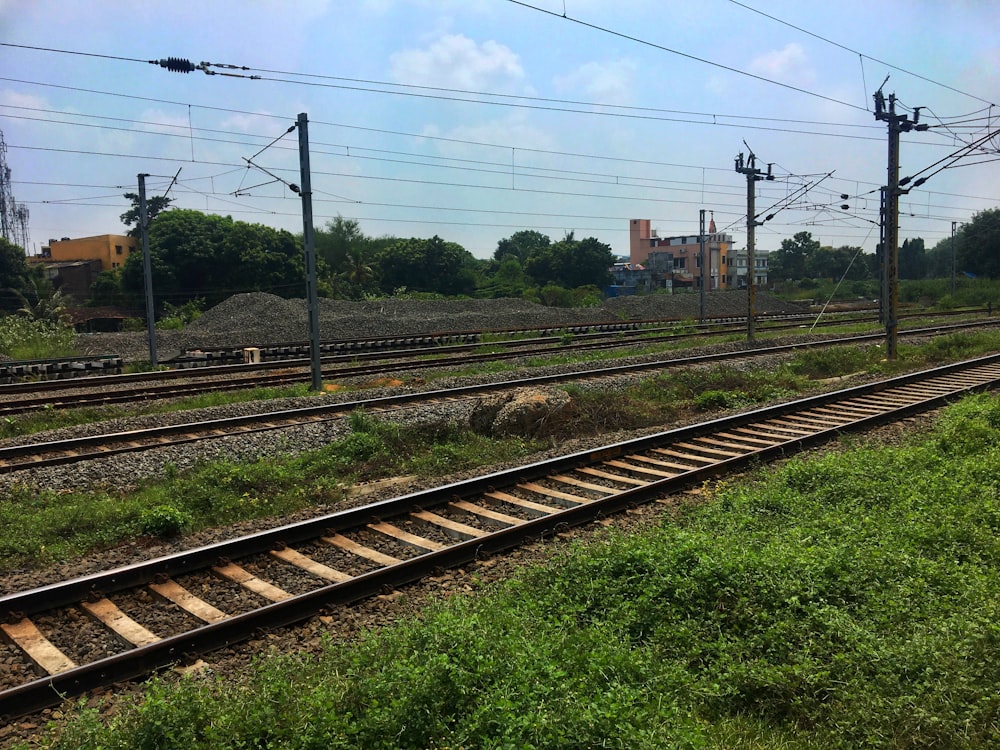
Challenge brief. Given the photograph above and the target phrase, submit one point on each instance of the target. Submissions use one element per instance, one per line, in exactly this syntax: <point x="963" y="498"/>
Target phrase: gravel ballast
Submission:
<point x="258" y="319"/>
<point x="232" y="320"/>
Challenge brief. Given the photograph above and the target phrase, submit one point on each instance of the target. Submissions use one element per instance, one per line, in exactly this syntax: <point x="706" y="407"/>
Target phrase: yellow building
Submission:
<point x="110" y="249"/>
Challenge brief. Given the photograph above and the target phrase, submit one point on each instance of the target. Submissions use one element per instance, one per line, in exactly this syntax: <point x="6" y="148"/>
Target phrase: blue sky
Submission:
<point x="396" y="143"/>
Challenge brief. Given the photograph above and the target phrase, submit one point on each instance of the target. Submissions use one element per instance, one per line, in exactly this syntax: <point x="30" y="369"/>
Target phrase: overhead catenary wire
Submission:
<point x="686" y="55"/>
<point x="856" y="52"/>
<point x="365" y="84"/>
<point x="459" y="184"/>
<point x="535" y="172"/>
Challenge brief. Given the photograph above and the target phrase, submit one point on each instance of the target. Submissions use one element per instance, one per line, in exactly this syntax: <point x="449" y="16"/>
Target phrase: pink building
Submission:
<point x="685" y="254"/>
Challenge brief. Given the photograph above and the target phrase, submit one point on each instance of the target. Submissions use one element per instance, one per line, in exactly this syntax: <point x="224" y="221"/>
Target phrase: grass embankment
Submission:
<point x="42" y="527"/>
<point x="38" y="528"/>
<point x="847" y="600"/>
<point x="809" y="364"/>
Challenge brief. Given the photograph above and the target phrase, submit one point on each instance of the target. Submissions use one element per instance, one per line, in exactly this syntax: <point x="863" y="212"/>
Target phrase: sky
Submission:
<point x="475" y="119"/>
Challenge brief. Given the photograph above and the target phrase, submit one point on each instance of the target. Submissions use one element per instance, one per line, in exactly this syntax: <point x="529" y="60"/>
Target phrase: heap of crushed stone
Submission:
<point x="258" y="318"/>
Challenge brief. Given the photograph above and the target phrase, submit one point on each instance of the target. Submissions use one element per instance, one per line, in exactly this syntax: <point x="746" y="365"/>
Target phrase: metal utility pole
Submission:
<point x="883" y="279"/>
<point x="312" y="299"/>
<point x="701" y="257"/>
<point x="147" y="268"/>
<point x="890" y="216"/>
<point x="753" y="176"/>
<point x="954" y="224"/>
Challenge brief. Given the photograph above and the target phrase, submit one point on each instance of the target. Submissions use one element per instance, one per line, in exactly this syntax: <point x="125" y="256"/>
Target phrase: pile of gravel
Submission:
<point x="257" y="319"/>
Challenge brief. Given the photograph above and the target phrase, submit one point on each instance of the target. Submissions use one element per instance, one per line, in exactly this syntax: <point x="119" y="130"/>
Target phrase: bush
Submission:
<point x="164" y="521"/>
<point x="176" y="317"/>
<point x="713" y="400"/>
<point x="23" y="338"/>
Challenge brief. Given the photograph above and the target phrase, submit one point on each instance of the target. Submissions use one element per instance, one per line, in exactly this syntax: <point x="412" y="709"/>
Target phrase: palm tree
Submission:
<point x="50" y="304"/>
<point x="359" y="271"/>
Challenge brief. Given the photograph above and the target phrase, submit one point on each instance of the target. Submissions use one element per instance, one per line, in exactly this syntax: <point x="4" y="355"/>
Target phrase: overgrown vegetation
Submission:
<point x="41" y="527"/>
<point x="37" y="528"/>
<point x="50" y="419"/>
<point x="847" y="600"/>
<point x="22" y="337"/>
<point x="175" y="317"/>
<point x="968" y="292"/>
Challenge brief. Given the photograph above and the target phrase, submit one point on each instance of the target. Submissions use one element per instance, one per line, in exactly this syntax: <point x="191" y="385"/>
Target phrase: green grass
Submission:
<point x="954" y="347"/>
<point x="24" y="338"/>
<point x="841" y="601"/>
<point x="63" y="525"/>
<point x="51" y="419"/>
<point x="41" y="527"/>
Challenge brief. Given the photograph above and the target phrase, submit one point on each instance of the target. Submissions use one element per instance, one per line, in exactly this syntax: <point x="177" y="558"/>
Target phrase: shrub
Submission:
<point x="23" y="338"/>
<point x="176" y="317"/>
<point x="713" y="400"/>
<point x="164" y="521"/>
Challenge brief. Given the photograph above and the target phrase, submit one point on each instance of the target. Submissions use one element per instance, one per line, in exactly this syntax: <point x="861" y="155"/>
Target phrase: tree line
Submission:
<point x="205" y="258"/>
<point x="201" y="259"/>
<point x="974" y="252"/>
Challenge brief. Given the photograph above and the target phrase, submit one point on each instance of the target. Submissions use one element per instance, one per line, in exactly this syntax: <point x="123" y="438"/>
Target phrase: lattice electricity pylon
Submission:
<point x="13" y="217"/>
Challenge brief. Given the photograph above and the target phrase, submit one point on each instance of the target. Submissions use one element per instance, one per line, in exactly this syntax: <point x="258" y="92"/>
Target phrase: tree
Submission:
<point x="912" y="259"/>
<point x="359" y="272"/>
<point x="14" y="275"/>
<point x="44" y="302"/>
<point x="195" y="255"/>
<point x="938" y="260"/>
<point x="337" y="240"/>
<point x="154" y="205"/>
<point x="506" y="279"/>
<point x="107" y="289"/>
<point x="521" y="245"/>
<point x="789" y="261"/>
<point x="571" y="263"/>
<point x="836" y="263"/>
<point x="977" y="248"/>
<point x="423" y="265"/>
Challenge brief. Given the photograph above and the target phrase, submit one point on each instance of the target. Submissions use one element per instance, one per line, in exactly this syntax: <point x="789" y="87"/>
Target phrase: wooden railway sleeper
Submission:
<point x="576" y="506"/>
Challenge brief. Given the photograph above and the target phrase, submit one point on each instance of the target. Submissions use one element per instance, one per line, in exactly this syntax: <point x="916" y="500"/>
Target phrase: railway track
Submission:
<point x="119" y="389"/>
<point x="33" y="455"/>
<point x="719" y="324"/>
<point x="128" y="622"/>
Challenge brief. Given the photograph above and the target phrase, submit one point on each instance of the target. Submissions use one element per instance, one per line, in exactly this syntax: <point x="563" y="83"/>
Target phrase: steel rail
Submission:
<point x="621" y="335"/>
<point x="377" y="351"/>
<point x="92" y="391"/>
<point x="787" y="427"/>
<point x="602" y="328"/>
<point x="73" y="450"/>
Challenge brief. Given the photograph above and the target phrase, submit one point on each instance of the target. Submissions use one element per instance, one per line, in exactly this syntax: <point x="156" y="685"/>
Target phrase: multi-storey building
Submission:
<point x="739" y="267"/>
<point x="110" y="249"/>
<point x="683" y="254"/>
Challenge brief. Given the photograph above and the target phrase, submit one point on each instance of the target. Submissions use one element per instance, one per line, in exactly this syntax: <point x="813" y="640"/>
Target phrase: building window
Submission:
<point x="118" y="249"/>
<point x="680" y="262"/>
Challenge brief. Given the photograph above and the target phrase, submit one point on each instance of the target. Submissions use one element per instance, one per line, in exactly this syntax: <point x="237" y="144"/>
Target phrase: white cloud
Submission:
<point x="609" y="82"/>
<point x="719" y="86"/>
<point x="788" y="65"/>
<point x="513" y="129"/>
<point x="455" y="61"/>
<point x="158" y="121"/>
<point x="258" y="123"/>
<point x="17" y="99"/>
